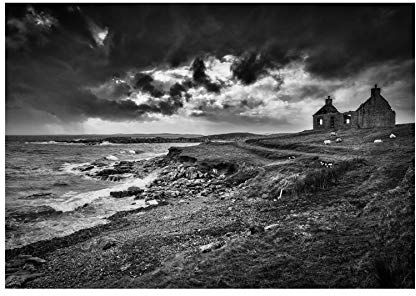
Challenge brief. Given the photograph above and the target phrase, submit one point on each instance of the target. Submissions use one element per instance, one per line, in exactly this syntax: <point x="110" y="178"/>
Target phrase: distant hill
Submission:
<point x="231" y="136"/>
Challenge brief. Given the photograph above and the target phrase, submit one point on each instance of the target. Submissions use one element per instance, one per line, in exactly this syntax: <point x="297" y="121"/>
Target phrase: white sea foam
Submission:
<point x="106" y="143"/>
<point x="131" y="151"/>
<point x="43" y="143"/>
<point x="69" y="204"/>
<point x="54" y="143"/>
<point x="73" y="168"/>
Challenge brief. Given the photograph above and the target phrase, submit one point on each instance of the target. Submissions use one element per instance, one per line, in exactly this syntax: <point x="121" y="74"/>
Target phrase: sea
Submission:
<point x="47" y="197"/>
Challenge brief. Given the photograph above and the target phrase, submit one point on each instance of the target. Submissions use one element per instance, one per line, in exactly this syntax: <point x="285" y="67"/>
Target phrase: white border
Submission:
<point x="179" y="292"/>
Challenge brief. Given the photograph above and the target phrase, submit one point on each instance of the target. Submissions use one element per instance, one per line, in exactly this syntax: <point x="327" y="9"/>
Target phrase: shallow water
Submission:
<point x="46" y="198"/>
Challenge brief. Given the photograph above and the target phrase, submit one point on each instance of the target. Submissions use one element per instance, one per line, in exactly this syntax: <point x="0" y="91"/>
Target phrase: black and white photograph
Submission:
<point x="209" y="146"/>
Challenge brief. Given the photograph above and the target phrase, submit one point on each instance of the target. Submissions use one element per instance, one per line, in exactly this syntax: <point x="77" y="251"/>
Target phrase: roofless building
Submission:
<point x="374" y="112"/>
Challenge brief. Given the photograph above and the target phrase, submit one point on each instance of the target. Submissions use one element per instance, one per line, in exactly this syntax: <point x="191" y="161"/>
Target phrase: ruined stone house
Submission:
<point x="374" y="112"/>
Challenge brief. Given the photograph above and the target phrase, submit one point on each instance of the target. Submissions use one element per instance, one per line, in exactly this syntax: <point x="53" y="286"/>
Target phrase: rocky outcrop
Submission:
<point x="185" y="181"/>
<point x="129" y="192"/>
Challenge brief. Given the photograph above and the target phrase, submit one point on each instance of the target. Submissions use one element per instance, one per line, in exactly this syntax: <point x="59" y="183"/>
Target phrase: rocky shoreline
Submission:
<point x="177" y="181"/>
<point x="230" y="215"/>
<point x="158" y="139"/>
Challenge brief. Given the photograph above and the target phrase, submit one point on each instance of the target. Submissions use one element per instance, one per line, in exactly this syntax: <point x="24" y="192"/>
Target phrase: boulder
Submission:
<point x="129" y="192"/>
<point x="86" y="168"/>
<point x="111" y="157"/>
<point x="117" y="194"/>
<point x="211" y="246"/>
<point x="134" y="190"/>
<point x="152" y="202"/>
<point x="269" y="227"/>
<point x="109" y="245"/>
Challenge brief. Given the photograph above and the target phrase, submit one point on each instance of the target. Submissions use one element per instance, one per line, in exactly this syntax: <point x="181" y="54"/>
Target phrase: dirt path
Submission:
<point x="331" y="156"/>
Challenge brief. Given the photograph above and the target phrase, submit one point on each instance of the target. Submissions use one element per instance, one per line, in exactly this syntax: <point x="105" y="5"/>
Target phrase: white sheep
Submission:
<point x="378" y="141"/>
<point x="392" y="136"/>
<point x="327" y="142"/>
<point x="338" y="140"/>
<point x="333" y="133"/>
<point x="327" y="164"/>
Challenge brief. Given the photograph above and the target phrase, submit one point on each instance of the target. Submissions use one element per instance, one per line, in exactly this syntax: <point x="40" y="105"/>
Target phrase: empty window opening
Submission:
<point x="332" y="122"/>
<point x="347" y="119"/>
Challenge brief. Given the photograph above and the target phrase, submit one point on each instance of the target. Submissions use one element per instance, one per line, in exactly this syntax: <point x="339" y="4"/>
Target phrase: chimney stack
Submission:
<point x="328" y="101"/>
<point x="375" y="91"/>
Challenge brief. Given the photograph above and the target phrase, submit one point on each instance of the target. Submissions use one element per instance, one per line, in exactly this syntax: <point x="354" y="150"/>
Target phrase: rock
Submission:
<point x="29" y="267"/>
<point x="125" y="266"/>
<point x="134" y="190"/>
<point x="109" y="245"/>
<point x="111" y="157"/>
<point x="152" y="202"/>
<point x="378" y="141"/>
<point x="140" y="196"/>
<point x="392" y="136"/>
<point x="86" y="168"/>
<point x="117" y="194"/>
<point x="39" y="195"/>
<point x="271" y="226"/>
<point x="129" y="192"/>
<point x="211" y="246"/>
<point x="264" y="196"/>
<point x="35" y="260"/>
<point x="60" y="184"/>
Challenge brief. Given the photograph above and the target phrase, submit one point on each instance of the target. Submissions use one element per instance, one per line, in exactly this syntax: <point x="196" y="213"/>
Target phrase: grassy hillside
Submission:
<point x="353" y="228"/>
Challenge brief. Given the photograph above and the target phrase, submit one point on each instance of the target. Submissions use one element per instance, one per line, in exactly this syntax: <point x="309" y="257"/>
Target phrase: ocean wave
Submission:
<point x="81" y="199"/>
<point x="32" y="212"/>
<point x="74" y="168"/>
<point x="107" y="143"/>
<point x="54" y="143"/>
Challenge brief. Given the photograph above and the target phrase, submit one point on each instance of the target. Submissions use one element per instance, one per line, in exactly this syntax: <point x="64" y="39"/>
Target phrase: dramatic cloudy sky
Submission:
<point x="202" y="68"/>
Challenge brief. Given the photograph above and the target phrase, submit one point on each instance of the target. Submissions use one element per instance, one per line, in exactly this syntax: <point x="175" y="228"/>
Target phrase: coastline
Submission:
<point x="230" y="226"/>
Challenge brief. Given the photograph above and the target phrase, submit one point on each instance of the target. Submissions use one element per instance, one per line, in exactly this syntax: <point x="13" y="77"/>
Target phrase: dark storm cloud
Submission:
<point x="200" y="77"/>
<point x="249" y="67"/>
<point x="144" y="83"/>
<point x="55" y="52"/>
<point x="176" y="90"/>
<point x="34" y="28"/>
